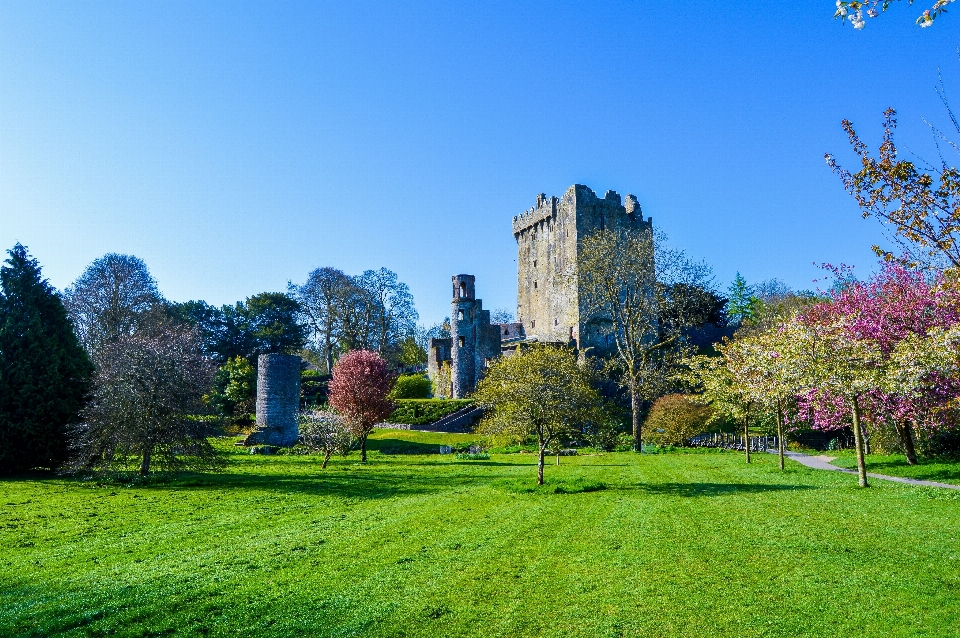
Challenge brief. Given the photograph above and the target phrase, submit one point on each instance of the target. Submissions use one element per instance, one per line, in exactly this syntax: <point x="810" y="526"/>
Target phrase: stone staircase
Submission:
<point x="463" y="420"/>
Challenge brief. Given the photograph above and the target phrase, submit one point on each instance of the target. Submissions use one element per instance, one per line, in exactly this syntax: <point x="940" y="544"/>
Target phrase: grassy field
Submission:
<point x="418" y="544"/>
<point x="896" y="465"/>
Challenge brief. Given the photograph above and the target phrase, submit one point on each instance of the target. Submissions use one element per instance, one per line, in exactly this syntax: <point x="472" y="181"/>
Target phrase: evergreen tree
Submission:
<point x="741" y="302"/>
<point x="44" y="371"/>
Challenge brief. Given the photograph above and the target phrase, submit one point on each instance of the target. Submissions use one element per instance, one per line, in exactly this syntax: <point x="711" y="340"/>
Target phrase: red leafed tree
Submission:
<point x="358" y="391"/>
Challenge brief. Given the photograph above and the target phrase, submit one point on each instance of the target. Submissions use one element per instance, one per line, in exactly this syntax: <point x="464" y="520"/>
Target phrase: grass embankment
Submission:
<point x="896" y="465"/>
<point x="666" y="545"/>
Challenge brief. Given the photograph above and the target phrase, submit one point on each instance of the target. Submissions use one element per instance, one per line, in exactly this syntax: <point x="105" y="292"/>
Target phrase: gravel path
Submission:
<point x="823" y="463"/>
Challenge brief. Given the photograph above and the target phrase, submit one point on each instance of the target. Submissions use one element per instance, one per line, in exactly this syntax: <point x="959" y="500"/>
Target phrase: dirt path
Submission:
<point x="822" y="462"/>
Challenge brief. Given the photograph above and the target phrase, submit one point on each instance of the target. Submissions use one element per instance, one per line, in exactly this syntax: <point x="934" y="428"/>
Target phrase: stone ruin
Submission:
<point x="278" y="401"/>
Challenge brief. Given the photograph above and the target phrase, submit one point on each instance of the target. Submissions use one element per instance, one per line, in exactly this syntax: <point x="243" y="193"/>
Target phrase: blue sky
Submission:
<point x="236" y="146"/>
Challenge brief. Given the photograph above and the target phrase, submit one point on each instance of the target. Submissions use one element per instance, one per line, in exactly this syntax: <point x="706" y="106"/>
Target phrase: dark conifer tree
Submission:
<point x="44" y="372"/>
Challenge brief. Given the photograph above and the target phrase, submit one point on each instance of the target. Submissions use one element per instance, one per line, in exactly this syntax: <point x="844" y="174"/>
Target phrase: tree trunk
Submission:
<point x="326" y="459"/>
<point x="145" y="463"/>
<point x="363" y="448"/>
<point x="540" y="466"/>
<point x="635" y="414"/>
<point x="780" y="434"/>
<point x="906" y="437"/>
<point x="746" y="436"/>
<point x="858" y="441"/>
<point x="866" y="438"/>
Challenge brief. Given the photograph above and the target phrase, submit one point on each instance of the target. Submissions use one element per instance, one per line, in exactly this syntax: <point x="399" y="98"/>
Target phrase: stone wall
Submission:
<point x="548" y="300"/>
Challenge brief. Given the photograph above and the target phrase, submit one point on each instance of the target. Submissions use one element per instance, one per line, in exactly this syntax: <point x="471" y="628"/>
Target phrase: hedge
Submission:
<point x="423" y="411"/>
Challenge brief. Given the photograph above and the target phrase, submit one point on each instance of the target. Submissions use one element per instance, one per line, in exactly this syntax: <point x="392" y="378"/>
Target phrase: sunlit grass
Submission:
<point x="426" y="545"/>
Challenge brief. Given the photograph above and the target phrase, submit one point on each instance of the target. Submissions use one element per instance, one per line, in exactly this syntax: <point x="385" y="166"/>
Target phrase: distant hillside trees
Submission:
<point x="44" y="371"/>
<point x="374" y="311"/>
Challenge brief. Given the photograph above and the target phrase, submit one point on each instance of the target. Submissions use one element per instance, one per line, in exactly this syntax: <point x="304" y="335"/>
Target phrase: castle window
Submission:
<point x="601" y="221"/>
<point x="460" y="315"/>
<point x="463" y="289"/>
<point x="534" y="263"/>
<point x="462" y="341"/>
<point x="533" y="323"/>
<point x="556" y="322"/>
<point x="534" y="284"/>
<point x="571" y="332"/>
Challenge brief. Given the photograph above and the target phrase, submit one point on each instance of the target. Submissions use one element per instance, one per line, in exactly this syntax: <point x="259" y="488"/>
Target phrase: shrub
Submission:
<point x="473" y="456"/>
<point x="673" y="419"/>
<point x="411" y="386"/>
<point x="325" y="432"/>
<point x="423" y="411"/>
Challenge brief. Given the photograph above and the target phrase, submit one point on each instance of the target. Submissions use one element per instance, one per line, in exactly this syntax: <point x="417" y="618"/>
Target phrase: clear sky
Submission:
<point x="236" y="146"/>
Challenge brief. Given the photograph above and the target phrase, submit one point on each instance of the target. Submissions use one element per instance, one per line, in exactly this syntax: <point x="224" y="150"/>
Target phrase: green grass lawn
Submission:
<point x="896" y="465"/>
<point x="425" y="545"/>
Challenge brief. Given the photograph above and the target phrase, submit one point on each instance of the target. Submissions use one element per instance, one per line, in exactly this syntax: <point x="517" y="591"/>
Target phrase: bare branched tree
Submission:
<point x="147" y="389"/>
<point x="645" y="296"/>
<point x="109" y="300"/>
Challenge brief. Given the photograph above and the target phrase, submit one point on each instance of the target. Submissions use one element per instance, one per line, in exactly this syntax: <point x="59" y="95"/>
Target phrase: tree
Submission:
<point x="234" y="391"/>
<point x="675" y="418"/>
<point x="922" y="211"/>
<point x="502" y="315"/>
<point x="722" y="391"/>
<point x="854" y="10"/>
<point x="740" y="301"/>
<point x="112" y="297"/>
<point x="541" y="391"/>
<point x="323" y="299"/>
<point x="831" y="364"/>
<point x="147" y="390"/>
<point x="273" y="319"/>
<point x="646" y="296"/>
<point x="325" y="432"/>
<point x="358" y="391"/>
<point x="44" y="371"/>
<point x="394" y="316"/>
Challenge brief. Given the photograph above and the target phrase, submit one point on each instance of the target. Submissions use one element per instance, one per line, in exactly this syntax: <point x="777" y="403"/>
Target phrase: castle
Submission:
<point x="549" y="307"/>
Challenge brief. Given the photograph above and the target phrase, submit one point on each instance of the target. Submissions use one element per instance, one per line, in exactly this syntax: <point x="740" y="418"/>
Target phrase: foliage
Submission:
<point x="358" y="391"/>
<point x="675" y="418"/>
<point x="740" y="301"/>
<point x="111" y="299"/>
<point x="423" y="411"/>
<point x="267" y="323"/>
<point x="472" y="456"/>
<point x="325" y="432"/>
<point x="411" y="386"/>
<point x="645" y="297"/>
<point x="313" y="388"/>
<point x="854" y="10"/>
<point x="444" y="386"/>
<point x="234" y="392"/>
<point x="44" y="371"/>
<point x="411" y="353"/>
<point x="374" y="311"/>
<point x="540" y="391"/>
<point x="923" y="212"/>
<point x="146" y="389"/>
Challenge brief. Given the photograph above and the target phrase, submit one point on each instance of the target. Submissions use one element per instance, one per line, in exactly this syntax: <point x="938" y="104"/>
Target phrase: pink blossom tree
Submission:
<point x="358" y="391"/>
<point x="896" y="304"/>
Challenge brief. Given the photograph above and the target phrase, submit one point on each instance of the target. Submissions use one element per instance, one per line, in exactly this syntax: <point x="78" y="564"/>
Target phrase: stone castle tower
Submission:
<point x="548" y="300"/>
<point x="473" y="341"/>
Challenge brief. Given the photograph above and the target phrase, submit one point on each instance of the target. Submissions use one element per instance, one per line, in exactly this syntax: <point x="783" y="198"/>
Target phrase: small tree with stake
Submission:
<point x="358" y="391"/>
<point x="541" y="391"/>
<point x="326" y="432"/>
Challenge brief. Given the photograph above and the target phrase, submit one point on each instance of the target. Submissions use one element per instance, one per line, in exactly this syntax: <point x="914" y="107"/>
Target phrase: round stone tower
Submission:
<point x="463" y="334"/>
<point x="278" y="400"/>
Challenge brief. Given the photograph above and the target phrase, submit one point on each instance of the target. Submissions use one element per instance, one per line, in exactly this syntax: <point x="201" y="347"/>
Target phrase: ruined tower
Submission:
<point x="278" y="400"/>
<point x="548" y="236"/>
<point x="473" y="341"/>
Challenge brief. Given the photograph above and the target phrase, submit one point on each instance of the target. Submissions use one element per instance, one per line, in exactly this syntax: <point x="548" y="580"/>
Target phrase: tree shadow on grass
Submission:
<point x="714" y="489"/>
<point x="925" y="471"/>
